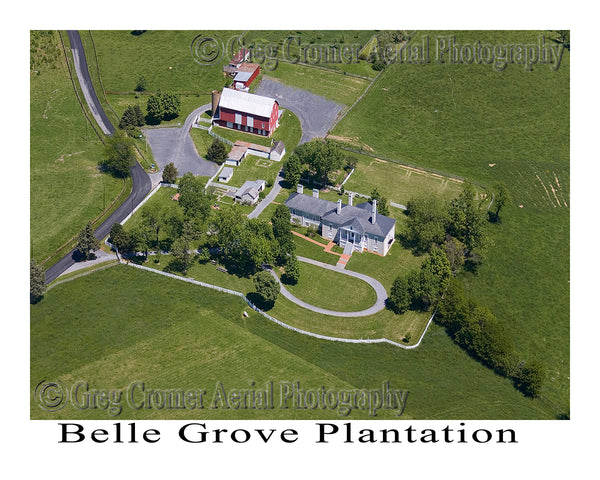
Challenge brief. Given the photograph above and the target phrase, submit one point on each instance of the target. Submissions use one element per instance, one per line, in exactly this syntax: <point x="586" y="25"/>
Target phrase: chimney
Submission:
<point x="299" y="188"/>
<point x="350" y="198"/>
<point x="374" y="211"/>
<point x="339" y="207"/>
<point x="316" y="192"/>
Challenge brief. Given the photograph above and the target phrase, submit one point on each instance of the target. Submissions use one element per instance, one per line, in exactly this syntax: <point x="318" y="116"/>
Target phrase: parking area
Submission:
<point x="176" y="145"/>
<point x="316" y="113"/>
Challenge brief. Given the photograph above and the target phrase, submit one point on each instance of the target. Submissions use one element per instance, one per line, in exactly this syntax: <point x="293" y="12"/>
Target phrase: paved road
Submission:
<point x="269" y="198"/>
<point x="174" y="144"/>
<point x="316" y="113"/>
<point x="378" y="287"/>
<point x="81" y="68"/>
<point x="141" y="181"/>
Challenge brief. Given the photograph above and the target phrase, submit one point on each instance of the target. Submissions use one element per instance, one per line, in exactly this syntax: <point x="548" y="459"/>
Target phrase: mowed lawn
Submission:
<point x="123" y="325"/>
<point x="399" y="183"/>
<point x="66" y="188"/>
<point x="331" y="290"/>
<point x="490" y="126"/>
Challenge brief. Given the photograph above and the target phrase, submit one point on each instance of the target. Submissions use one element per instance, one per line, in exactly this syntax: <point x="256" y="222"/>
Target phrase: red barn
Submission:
<point x="247" y="112"/>
<point x="245" y="75"/>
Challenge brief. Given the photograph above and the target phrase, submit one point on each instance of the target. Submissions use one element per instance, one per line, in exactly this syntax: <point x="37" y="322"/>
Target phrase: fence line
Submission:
<point x="224" y="140"/>
<point x="279" y="322"/>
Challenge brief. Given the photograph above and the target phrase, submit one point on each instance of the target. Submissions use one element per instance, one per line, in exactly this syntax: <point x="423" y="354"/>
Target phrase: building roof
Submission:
<point x="226" y="172"/>
<point x="252" y="146"/>
<point x="250" y="188"/>
<point x="242" y="76"/>
<point x="278" y="146"/>
<point x="358" y="217"/>
<point x="248" y="67"/>
<point x="240" y="56"/>
<point x="237" y="153"/>
<point x="246" y="102"/>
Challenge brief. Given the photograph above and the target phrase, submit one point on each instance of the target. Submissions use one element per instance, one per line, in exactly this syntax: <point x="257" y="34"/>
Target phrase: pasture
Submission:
<point x="174" y="335"/>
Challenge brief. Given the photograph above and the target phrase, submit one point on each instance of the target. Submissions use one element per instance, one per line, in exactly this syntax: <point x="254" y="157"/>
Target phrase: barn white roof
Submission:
<point x="246" y="102"/>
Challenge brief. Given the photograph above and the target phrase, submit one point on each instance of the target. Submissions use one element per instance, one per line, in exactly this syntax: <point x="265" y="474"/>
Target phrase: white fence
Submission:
<point x="279" y="322"/>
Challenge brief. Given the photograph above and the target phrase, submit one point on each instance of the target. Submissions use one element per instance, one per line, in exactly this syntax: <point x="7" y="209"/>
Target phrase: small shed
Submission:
<point x="225" y="174"/>
<point x="278" y="151"/>
<point x="236" y="155"/>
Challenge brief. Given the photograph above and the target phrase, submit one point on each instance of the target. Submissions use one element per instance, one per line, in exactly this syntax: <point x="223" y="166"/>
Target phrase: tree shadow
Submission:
<point x="259" y="302"/>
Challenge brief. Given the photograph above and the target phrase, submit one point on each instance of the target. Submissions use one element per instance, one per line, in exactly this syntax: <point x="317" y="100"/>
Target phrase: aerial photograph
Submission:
<point x="299" y="225"/>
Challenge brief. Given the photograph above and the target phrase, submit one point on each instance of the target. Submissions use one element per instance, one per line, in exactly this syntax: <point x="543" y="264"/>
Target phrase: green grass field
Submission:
<point x="398" y="183"/>
<point x="344" y="89"/>
<point x="489" y="126"/>
<point x="333" y="291"/>
<point x="173" y="335"/>
<point x="67" y="189"/>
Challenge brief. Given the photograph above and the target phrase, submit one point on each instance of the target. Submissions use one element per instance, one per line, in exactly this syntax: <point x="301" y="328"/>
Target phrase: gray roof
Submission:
<point x="226" y="172"/>
<point x="279" y="146"/>
<point x="250" y="187"/>
<point x="358" y="217"/>
<point x="242" y="76"/>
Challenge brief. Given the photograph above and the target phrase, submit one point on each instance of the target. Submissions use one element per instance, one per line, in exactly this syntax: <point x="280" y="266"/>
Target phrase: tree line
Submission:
<point x="454" y="238"/>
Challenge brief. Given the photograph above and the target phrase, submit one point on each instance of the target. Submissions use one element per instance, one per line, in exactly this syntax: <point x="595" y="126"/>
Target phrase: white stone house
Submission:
<point x="359" y="226"/>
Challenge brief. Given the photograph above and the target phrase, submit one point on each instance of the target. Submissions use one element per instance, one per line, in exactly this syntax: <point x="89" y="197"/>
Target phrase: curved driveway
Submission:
<point x="316" y="113"/>
<point x="174" y="144"/>
<point x="378" y="287"/>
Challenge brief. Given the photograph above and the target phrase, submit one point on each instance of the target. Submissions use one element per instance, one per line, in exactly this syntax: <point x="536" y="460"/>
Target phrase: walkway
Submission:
<point x="378" y="287"/>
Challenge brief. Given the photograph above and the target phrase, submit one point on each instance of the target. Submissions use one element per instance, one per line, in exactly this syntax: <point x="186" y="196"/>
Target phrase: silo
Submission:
<point x="216" y="97"/>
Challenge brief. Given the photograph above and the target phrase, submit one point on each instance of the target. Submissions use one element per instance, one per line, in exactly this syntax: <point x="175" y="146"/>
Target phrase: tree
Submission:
<point x="381" y="202"/>
<point x="564" y="37"/>
<point x="171" y="105"/>
<point x="426" y="222"/>
<point x="453" y="309"/>
<point x="322" y="157"/>
<point x="37" y="282"/>
<point x="152" y="217"/>
<point x="282" y="231"/>
<point x="399" y="300"/>
<point x="87" y="243"/>
<point x="120" y="238"/>
<point x="170" y="173"/>
<point x="128" y="119"/>
<point x="530" y="378"/>
<point x="267" y="289"/>
<point x="155" y="109"/>
<point x="141" y="84"/>
<point x="181" y="248"/>
<point x="139" y="116"/>
<point x="466" y="221"/>
<point x="291" y="274"/>
<point x="217" y="152"/>
<point x="293" y="170"/>
<point x="119" y="154"/>
<point x="257" y="245"/>
<point x="501" y="199"/>
<point x="455" y="252"/>
<point x="193" y="198"/>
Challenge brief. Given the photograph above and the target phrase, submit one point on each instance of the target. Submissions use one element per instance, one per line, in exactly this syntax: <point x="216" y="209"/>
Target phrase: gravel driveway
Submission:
<point x="316" y="114"/>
